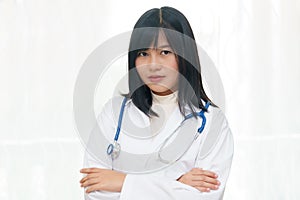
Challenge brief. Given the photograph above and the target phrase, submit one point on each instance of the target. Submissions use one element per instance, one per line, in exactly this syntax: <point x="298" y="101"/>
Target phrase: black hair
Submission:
<point x="180" y="36"/>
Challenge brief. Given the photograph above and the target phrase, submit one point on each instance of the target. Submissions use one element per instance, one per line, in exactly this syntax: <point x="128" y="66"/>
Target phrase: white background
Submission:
<point x="254" y="44"/>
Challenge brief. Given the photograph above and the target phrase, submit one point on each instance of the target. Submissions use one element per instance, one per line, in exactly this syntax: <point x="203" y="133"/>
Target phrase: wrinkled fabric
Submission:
<point x="212" y="150"/>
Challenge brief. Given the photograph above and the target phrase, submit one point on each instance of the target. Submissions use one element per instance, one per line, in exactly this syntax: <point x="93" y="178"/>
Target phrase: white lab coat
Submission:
<point x="208" y="152"/>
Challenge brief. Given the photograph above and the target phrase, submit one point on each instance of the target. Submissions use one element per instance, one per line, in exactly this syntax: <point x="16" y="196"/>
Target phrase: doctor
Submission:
<point x="166" y="96"/>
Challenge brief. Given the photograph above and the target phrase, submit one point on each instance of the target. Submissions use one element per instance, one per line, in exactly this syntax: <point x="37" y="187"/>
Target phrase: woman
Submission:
<point x="165" y="87"/>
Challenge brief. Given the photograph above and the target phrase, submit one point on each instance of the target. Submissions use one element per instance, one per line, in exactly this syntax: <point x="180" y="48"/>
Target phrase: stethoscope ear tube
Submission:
<point x="114" y="149"/>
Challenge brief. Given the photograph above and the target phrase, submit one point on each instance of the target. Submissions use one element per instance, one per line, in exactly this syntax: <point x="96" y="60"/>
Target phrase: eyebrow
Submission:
<point x="164" y="46"/>
<point x="159" y="47"/>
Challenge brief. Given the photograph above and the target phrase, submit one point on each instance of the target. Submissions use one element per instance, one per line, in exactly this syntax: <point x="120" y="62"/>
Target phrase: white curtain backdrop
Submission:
<point x="254" y="44"/>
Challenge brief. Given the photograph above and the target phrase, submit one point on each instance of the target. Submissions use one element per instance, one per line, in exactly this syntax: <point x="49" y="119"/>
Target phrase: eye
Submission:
<point x="142" y="54"/>
<point x="165" y="52"/>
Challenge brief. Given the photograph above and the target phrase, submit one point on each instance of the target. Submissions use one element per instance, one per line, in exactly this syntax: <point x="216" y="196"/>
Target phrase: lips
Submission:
<point x="155" y="78"/>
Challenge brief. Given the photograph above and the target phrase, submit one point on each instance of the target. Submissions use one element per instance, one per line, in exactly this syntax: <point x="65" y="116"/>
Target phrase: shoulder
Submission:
<point x="216" y="113"/>
<point x="211" y="111"/>
<point x="113" y="106"/>
<point x="111" y="109"/>
<point x="217" y="121"/>
<point x="217" y="131"/>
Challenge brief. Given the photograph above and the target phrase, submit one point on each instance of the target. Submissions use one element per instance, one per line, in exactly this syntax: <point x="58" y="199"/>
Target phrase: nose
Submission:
<point x="154" y="64"/>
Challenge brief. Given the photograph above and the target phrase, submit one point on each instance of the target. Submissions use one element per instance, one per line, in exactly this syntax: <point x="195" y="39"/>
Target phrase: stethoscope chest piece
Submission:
<point x="114" y="150"/>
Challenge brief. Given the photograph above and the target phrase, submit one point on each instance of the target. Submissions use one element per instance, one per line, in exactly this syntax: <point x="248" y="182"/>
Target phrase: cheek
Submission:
<point x="173" y="65"/>
<point x="139" y="67"/>
<point x="141" y="72"/>
<point x="137" y="63"/>
<point x="174" y="72"/>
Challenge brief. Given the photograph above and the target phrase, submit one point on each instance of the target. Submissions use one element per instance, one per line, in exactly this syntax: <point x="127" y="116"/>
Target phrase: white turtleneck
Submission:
<point x="163" y="106"/>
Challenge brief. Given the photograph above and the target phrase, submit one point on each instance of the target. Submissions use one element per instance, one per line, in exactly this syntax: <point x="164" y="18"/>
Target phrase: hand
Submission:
<point x="202" y="180"/>
<point x="102" y="179"/>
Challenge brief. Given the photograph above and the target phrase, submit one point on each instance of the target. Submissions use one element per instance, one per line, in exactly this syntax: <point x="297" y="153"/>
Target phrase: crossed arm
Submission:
<point x="218" y="159"/>
<point x="112" y="181"/>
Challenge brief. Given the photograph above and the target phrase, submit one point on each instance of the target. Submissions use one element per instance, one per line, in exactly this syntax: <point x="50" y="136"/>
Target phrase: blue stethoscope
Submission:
<point x="114" y="148"/>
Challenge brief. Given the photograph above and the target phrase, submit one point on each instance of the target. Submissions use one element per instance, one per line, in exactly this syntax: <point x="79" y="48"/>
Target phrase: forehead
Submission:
<point x="145" y="38"/>
<point x="160" y="41"/>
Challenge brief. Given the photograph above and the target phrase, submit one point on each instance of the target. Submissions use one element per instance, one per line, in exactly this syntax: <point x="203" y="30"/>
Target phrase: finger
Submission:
<point x="206" y="179"/>
<point x="93" y="188"/>
<point x="93" y="175"/>
<point x="87" y="170"/>
<point x="84" y="179"/>
<point x="206" y="185"/>
<point x="90" y="182"/>
<point x="210" y="173"/>
<point x="199" y="171"/>
<point x="90" y="170"/>
<point x="203" y="189"/>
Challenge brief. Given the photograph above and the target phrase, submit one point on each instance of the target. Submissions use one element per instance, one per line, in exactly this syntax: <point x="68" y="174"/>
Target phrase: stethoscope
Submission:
<point x="114" y="148"/>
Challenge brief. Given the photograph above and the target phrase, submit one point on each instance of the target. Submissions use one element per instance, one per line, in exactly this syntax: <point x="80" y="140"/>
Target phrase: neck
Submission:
<point x="167" y="92"/>
<point x="171" y="98"/>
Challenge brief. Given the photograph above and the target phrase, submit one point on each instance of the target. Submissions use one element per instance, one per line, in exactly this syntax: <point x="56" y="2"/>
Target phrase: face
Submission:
<point x="158" y="67"/>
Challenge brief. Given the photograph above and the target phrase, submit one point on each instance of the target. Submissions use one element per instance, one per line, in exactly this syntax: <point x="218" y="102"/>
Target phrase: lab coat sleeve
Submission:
<point x="106" y="124"/>
<point x="90" y="161"/>
<point x="150" y="187"/>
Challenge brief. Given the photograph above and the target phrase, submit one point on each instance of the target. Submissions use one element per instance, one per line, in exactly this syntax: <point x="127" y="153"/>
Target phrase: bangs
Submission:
<point x="146" y="38"/>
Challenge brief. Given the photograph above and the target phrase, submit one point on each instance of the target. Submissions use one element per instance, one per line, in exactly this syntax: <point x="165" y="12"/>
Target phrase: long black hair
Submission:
<point x="180" y="36"/>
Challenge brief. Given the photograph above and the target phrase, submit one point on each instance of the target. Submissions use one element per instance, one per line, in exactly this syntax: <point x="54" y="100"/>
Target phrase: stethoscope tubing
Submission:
<point x="111" y="147"/>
